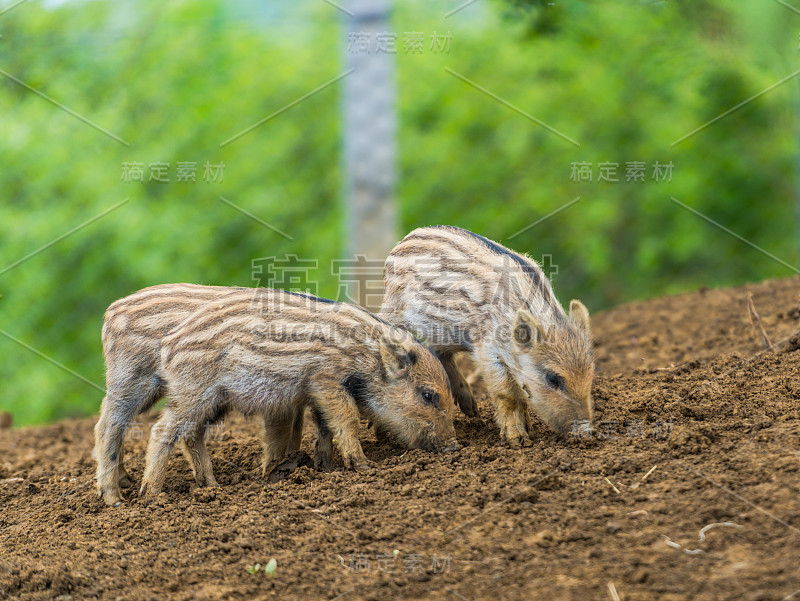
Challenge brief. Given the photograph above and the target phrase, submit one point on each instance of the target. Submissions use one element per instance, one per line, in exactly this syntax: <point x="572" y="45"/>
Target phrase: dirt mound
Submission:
<point x="690" y="491"/>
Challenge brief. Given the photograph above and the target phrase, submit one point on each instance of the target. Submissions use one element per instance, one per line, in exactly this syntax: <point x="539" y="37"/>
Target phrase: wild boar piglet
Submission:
<point x="458" y="291"/>
<point x="275" y="353"/>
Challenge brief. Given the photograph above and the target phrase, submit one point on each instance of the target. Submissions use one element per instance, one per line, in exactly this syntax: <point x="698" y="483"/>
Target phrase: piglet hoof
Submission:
<point x="452" y="446"/>
<point x="466" y="402"/>
<point x="323" y="465"/>
<point x="475" y="412"/>
<point x="519" y="441"/>
<point x="148" y="492"/>
<point x="112" y="499"/>
<point x="358" y="464"/>
<point x="267" y="467"/>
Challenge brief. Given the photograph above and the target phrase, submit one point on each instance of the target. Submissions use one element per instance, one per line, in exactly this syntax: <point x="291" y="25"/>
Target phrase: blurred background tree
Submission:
<point x="175" y="80"/>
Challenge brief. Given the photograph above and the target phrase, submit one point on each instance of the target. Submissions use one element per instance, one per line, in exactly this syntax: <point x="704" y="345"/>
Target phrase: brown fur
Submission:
<point x="461" y="292"/>
<point x="274" y="353"/>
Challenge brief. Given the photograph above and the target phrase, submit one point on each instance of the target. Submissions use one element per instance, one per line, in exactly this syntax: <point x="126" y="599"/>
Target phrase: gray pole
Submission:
<point x="369" y="145"/>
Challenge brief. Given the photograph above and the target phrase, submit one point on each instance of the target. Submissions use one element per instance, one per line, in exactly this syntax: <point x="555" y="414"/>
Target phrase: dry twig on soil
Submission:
<point x="755" y="322"/>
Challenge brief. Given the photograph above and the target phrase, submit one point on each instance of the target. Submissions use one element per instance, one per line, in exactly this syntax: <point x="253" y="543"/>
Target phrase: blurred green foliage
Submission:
<point x="176" y="79"/>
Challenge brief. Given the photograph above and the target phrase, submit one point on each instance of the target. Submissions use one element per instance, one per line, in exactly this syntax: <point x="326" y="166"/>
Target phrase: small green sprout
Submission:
<point x="271" y="567"/>
<point x="253" y="569"/>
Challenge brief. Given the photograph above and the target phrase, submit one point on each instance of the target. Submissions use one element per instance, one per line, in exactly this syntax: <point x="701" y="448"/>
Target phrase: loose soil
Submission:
<point x="698" y="425"/>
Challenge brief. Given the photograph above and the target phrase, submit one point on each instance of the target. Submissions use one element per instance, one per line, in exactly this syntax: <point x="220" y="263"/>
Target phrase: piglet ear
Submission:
<point x="580" y="315"/>
<point x="397" y="357"/>
<point x="527" y="330"/>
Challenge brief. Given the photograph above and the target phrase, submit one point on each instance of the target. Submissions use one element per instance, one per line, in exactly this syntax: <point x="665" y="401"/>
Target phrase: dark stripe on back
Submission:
<point x="311" y="297"/>
<point x="529" y="269"/>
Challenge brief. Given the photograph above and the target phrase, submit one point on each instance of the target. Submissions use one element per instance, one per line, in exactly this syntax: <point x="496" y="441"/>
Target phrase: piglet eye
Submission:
<point x="429" y="396"/>
<point x="554" y="381"/>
